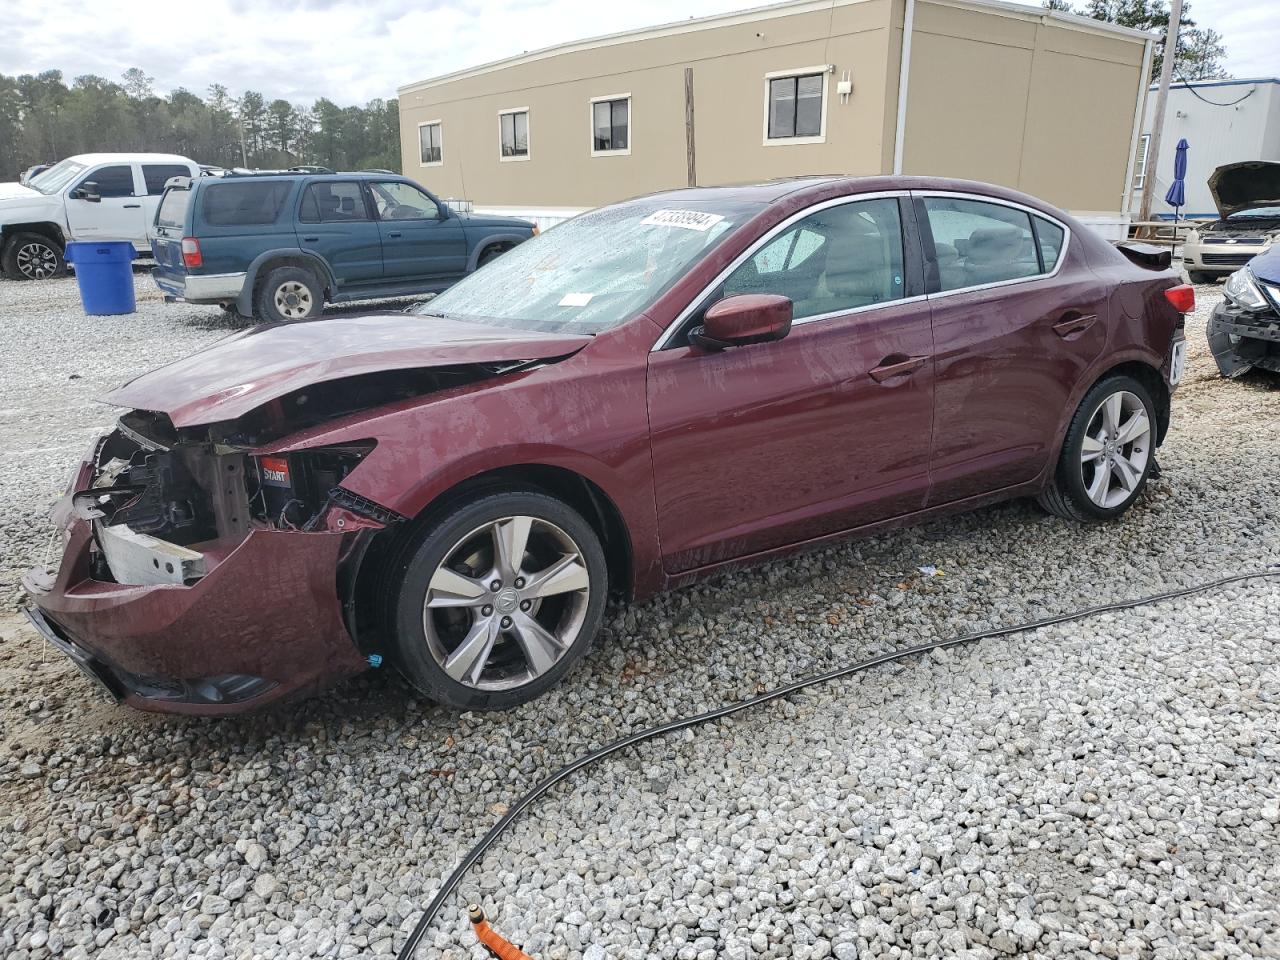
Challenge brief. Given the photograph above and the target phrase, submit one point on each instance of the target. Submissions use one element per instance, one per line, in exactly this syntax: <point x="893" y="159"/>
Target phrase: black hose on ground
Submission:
<point x="521" y="805"/>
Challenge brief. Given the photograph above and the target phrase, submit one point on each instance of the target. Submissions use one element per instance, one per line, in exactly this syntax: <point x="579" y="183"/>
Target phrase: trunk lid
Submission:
<point x="1239" y="186"/>
<point x="246" y="370"/>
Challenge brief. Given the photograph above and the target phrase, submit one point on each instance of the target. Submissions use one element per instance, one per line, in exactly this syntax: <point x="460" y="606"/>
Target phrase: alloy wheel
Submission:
<point x="506" y="603"/>
<point x="37" y="261"/>
<point x="1115" y="449"/>
<point x="293" y="300"/>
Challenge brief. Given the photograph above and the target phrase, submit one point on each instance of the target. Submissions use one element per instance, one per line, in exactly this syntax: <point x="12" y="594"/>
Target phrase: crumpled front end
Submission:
<point x="1244" y="330"/>
<point x="202" y="575"/>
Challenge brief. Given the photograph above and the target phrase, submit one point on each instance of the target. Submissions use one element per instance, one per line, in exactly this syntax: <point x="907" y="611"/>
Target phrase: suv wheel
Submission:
<point x="1108" y="453"/>
<point x="1199" y="276"/>
<point x="498" y="599"/>
<point x="32" y="256"/>
<point x="289" y="294"/>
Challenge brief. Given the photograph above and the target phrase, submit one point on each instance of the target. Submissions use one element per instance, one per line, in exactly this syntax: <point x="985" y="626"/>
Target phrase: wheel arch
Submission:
<point x="45" y="228"/>
<point x="504" y="240"/>
<point x="372" y="582"/>
<point x="263" y="263"/>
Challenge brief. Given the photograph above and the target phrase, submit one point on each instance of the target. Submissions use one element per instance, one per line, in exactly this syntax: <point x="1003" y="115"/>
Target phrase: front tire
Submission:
<point x="1107" y="455"/>
<point x="32" y="256"/>
<point x="497" y="599"/>
<point x="1199" y="276"/>
<point x="289" y="294"/>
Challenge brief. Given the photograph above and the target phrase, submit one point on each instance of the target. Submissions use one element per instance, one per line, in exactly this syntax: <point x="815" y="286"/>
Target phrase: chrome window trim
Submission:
<point x="665" y="339"/>
<point x="982" y="198"/>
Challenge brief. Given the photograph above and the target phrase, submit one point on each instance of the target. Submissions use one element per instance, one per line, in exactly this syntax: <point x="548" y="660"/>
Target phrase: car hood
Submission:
<point x="485" y="220"/>
<point x="16" y="191"/>
<point x="1239" y="186"/>
<point x="242" y="372"/>
<point x="1266" y="266"/>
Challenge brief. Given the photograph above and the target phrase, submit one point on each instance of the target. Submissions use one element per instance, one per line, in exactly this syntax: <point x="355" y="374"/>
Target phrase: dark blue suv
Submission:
<point x="279" y="246"/>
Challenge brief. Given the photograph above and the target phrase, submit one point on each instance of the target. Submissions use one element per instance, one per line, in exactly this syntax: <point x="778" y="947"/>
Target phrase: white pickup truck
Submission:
<point x="93" y="196"/>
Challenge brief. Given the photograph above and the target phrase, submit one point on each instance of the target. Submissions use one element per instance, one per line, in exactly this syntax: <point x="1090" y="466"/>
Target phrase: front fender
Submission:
<point x="489" y="241"/>
<point x="244" y="303"/>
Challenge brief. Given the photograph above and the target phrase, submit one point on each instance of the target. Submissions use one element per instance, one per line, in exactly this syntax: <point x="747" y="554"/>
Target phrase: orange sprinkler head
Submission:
<point x="497" y="945"/>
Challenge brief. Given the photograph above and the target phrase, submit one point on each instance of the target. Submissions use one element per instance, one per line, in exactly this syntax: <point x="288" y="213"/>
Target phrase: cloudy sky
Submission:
<point x="354" y="50"/>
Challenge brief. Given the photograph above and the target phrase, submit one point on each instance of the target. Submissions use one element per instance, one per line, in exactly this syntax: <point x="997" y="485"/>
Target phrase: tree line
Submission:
<point x="43" y="119"/>
<point x="1201" y="54"/>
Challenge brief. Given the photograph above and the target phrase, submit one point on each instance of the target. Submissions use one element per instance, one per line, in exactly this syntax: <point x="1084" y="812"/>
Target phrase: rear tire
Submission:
<point x="1108" y="453"/>
<point x="1199" y="276"/>
<point x="288" y="295"/>
<point x="477" y="631"/>
<point x="32" y="256"/>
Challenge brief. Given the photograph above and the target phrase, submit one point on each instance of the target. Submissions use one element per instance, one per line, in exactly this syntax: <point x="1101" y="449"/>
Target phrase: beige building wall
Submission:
<point x="1040" y="106"/>
<point x="1006" y="95"/>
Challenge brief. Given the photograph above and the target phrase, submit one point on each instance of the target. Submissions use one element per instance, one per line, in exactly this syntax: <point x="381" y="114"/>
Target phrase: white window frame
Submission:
<point x="430" y="123"/>
<point x="591" y="126"/>
<point x="1140" y="162"/>
<point x="528" y="134"/>
<point x="823" y="69"/>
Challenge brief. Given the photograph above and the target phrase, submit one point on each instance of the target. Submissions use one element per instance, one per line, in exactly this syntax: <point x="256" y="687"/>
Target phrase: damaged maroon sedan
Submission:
<point x="644" y="395"/>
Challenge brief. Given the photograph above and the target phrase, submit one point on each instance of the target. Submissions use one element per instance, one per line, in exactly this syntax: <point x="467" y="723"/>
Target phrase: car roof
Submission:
<point x="92" y="158"/>
<point x="771" y="191"/>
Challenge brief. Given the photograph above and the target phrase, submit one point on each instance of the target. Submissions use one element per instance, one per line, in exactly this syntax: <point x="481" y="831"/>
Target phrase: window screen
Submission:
<point x="514" y="129"/>
<point x="795" y="106"/>
<point x="157" y="175"/>
<point x="837" y="259"/>
<point x="430" y="147"/>
<point x="242" y="204"/>
<point x="610" y="125"/>
<point x="979" y="243"/>
<point x="112" y="181"/>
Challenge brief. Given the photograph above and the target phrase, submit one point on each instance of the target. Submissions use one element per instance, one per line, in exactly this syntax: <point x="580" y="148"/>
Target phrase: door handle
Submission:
<point x="310" y="239"/>
<point x="1075" y="324"/>
<point x="133" y="206"/>
<point x="897" y="365"/>
<point x="395" y="233"/>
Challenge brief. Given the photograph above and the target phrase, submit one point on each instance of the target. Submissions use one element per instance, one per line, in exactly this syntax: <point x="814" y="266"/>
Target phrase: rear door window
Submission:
<point x="979" y="243"/>
<point x="1050" y="237"/>
<point x="158" y="174"/>
<point x="330" y="201"/>
<point x="115" y="181"/>
<point x="249" y="203"/>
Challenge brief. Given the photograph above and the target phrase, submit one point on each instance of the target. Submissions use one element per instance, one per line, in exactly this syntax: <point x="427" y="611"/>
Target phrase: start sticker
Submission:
<point x="686" y="219"/>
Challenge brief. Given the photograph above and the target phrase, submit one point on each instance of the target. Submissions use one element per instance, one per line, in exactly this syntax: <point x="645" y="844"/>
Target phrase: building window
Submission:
<point x="430" y="144"/>
<point x="513" y="134"/>
<point x="795" y="104"/>
<point x="1140" y="167"/>
<point x="611" y="125"/>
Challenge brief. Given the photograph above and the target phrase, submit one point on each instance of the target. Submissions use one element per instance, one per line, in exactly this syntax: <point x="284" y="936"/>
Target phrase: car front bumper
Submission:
<point x="1204" y="256"/>
<point x="199" y="288"/>
<point x="263" y="623"/>
<point x="1243" y="339"/>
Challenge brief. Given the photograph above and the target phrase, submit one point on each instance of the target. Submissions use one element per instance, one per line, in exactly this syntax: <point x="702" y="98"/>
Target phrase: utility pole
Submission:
<point x="1162" y="100"/>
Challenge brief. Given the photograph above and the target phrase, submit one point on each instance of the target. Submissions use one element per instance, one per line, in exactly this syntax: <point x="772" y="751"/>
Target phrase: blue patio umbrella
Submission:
<point x="1177" y="194"/>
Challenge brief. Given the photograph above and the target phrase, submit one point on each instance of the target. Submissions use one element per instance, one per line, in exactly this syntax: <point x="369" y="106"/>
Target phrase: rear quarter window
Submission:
<point x="244" y="204"/>
<point x="173" y="209"/>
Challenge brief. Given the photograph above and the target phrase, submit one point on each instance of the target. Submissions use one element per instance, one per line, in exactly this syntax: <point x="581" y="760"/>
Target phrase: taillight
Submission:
<point x="1183" y="297"/>
<point x="191" y="255"/>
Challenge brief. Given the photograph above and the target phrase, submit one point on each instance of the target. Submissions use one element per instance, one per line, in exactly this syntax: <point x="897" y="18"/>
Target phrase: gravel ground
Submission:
<point x="1108" y="787"/>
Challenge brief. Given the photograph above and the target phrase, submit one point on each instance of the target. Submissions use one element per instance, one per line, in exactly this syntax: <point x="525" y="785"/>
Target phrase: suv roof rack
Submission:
<point x="245" y="172"/>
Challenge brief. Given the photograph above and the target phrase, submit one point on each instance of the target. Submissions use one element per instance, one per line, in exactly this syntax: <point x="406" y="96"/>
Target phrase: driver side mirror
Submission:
<point x="746" y="318"/>
<point x="87" y="191"/>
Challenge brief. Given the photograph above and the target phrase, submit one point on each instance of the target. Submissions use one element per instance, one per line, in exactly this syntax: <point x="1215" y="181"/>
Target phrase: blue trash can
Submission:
<point x="104" y="272"/>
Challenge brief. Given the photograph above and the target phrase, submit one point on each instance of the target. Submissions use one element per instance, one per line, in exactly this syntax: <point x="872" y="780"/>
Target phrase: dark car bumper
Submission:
<point x="1243" y="339"/>
<point x="265" y="622"/>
